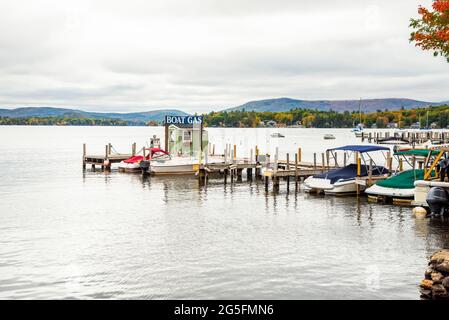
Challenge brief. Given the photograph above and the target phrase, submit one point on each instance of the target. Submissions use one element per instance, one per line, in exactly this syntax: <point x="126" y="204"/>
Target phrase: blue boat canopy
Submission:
<point x="361" y="148"/>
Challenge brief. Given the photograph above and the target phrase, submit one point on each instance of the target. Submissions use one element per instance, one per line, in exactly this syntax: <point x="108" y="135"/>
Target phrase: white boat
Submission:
<point x="180" y="165"/>
<point x="277" y="135"/>
<point x="401" y="185"/>
<point x="138" y="163"/>
<point x="358" y="129"/>
<point x="345" y="180"/>
<point x="388" y="192"/>
<point x="174" y="166"/>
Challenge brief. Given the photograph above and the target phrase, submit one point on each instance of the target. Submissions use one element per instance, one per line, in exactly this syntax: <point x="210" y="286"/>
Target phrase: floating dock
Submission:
<point x="412" y="137"/>
<point x="106" y="160"/>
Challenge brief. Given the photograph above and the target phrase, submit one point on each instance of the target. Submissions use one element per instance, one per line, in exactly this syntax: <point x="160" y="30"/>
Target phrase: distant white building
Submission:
<point x="392" y="125"/>
<point x="415" y="125"/>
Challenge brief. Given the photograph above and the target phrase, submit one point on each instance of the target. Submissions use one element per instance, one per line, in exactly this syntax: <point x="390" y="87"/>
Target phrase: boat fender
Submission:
<point x="106" y="162"/>
<point x="420" y="212"/>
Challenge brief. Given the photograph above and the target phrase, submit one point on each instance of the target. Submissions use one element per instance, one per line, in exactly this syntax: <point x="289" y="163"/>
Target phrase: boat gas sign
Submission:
<point x="183" y="119"/>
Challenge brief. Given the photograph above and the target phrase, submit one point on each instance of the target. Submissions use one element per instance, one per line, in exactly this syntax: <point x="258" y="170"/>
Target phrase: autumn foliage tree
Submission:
<point x="431" y="30"/>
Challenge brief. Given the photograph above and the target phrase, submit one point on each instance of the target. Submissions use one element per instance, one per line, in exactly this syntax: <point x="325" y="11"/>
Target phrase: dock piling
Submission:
<point x="84" y="156"/>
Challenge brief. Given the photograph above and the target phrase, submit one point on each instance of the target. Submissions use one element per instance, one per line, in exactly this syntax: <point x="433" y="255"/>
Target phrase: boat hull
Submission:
<point x="183" y="169"/>
<point x="390" y="192"/>
<point x="129" y="167"/>
<point x="345" y="187"/>
<point x="318" y="185"/>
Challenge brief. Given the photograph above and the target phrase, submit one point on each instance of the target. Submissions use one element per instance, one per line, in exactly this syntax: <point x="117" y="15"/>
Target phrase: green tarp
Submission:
<point x="417" y="152"/>
<point x="403" y="180"/>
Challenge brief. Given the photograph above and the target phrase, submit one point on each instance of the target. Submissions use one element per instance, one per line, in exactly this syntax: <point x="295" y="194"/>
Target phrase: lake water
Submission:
<point x="69" y="234"/>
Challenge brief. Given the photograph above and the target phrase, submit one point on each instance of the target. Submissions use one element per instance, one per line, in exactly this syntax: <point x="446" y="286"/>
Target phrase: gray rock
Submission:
<point x="436" y="277"/>
<point x="440" y="257"/>
<point x="445" y="282"/>
<point x="443" y="267"/>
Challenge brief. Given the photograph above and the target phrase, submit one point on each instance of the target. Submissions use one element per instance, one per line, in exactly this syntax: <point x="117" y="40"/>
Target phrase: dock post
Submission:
<point x="275" y="171"/>
<point x="401" y="165"/>
<point x="84" y="156"/>
<point x="110" y="148"/>
<point x="314" y="161"/>
<point x="296" y="171"/>
<point x="256" y="150"/>
<point x="328" y="160"/>
<point x="299" y="155"/>
<point x="288" y="170"/>
<point x="358" y="172"/>
<point x="276" y="160"/>
<point x="323" y="162"/>
<point x="389" y="161"/>
<point x="133" y="149"/>
<point x="275" y="183"/>
<point x="106" y="163"/>
<point x="225" y="153"/>
<point x="235" y="153"/>
<point x="249" y="173"/>
<point x="370" y="172"/>
<point x="345" y="160"/>
<point x="239" y="174"/>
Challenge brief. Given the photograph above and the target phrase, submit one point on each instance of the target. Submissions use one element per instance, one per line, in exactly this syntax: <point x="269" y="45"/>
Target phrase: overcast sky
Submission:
<point x="201" y="55"/>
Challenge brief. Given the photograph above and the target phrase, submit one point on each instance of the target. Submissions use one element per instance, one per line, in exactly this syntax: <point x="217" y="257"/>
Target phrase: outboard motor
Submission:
<point x="438" y="200"/>
<point x="144" y="166"/>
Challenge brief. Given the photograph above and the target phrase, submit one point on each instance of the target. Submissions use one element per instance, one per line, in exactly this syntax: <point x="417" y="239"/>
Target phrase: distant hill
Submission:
<point x="132" y="118"/>
<point x="368" y="105"/>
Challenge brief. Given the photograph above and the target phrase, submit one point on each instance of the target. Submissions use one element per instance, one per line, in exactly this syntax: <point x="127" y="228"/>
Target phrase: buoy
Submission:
<point x="420" y="212"/>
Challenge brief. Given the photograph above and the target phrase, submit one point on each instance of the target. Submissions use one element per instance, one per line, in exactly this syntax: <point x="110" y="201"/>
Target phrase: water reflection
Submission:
<point x="120" y="235"/>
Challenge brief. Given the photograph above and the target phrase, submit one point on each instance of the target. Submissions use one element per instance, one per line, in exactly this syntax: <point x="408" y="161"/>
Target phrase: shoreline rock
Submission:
<point x="435" y="285"/>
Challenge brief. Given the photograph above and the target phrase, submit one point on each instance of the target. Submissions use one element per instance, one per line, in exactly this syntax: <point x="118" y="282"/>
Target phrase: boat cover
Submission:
<point x="153" y="151"/>
<point x="134" y="159"/>
<point x="350" y="172"/>
<point x="403" y="180"/>
<point x="360" y="148"/>
<point x="417" y="152"/>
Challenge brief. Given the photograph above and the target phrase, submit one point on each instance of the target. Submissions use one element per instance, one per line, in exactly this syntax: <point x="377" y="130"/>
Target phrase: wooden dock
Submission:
<point x="412" y="137"/>
<point x="265" y="168"/>
<point x="106" y="160"/>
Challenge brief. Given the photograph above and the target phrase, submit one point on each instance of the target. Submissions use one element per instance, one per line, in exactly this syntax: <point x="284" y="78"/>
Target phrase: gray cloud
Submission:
<point x="203" y="55"/>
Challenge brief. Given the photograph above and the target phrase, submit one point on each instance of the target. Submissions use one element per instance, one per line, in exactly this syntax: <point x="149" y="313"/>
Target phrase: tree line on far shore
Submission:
<point x="61" y="121"/>
<point x="437" y="116"/>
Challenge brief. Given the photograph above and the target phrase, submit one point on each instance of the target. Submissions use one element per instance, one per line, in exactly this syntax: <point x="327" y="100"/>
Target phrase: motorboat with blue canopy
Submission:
<point x="343" y="179"/>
